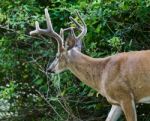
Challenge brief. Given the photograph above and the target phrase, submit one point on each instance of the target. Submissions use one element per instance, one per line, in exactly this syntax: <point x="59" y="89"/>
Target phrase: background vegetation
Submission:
<point x="27" y="93"/>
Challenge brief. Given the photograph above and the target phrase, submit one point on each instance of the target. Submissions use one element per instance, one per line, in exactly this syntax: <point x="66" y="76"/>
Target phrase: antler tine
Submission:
<point x="72" y="33"/>
<point x="62" y="34"/>
<point x="71" y="29"/>
<point x="75" y="22"/>
<point x="49" y="31"/>
<point x="82" y="27"/>
<point x="36" y="30"/>
<point x="48" y="21"/>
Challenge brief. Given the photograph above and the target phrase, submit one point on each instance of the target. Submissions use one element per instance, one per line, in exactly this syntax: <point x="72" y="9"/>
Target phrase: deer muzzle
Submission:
<point x="50" y="70"/>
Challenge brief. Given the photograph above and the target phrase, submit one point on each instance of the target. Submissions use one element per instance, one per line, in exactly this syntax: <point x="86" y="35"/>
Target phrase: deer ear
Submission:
<point x="70" y="42"/>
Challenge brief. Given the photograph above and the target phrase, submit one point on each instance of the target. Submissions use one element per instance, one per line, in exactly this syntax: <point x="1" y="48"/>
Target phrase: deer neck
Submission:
<point x="87" y="69"/>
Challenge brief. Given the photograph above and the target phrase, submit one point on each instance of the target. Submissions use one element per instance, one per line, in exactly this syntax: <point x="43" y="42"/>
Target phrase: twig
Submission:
<point x="40" y="67"/>
<point x="42" y="96"/>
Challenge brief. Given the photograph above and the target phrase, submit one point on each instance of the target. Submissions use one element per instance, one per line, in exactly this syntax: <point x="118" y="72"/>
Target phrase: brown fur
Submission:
<point x="121" y="78"/>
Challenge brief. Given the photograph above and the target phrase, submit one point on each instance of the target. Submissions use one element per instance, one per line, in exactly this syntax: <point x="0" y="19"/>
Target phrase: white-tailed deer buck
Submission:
<point x="124" y="79"/>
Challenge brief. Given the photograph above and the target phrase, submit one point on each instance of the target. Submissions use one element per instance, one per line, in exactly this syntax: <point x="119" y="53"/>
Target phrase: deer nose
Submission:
<point x="49" y="70"/>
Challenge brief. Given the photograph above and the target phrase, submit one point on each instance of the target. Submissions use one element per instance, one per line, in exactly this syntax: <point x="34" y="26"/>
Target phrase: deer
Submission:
<point x="123" y="79"/>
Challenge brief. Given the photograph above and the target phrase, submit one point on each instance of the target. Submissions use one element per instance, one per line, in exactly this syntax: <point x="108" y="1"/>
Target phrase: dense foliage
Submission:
<point x="27" y="92"/>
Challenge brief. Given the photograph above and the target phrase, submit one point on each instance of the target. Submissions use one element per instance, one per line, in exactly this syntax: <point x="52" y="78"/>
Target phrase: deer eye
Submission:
<point x="58" y="56"/>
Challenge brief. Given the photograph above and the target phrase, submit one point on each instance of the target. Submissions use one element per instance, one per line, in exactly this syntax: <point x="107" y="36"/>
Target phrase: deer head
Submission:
<point x="60" y="62"/>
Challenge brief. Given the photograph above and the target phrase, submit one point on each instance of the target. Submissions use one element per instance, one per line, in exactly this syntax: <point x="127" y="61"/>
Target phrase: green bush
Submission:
<point x="113" y="26"/>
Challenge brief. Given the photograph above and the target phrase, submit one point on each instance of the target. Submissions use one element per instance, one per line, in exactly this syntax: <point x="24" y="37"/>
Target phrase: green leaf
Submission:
<point x="38" y="81"/>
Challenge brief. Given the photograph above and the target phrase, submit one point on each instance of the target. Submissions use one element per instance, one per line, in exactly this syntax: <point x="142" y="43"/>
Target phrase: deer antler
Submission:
<point x="82" y="27"/>
<point x="49" y="31"/>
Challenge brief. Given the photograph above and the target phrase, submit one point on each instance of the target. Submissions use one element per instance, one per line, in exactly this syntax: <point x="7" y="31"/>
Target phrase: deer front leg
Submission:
<point x="128" y="107"/>
<point x="114" y="113"/>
